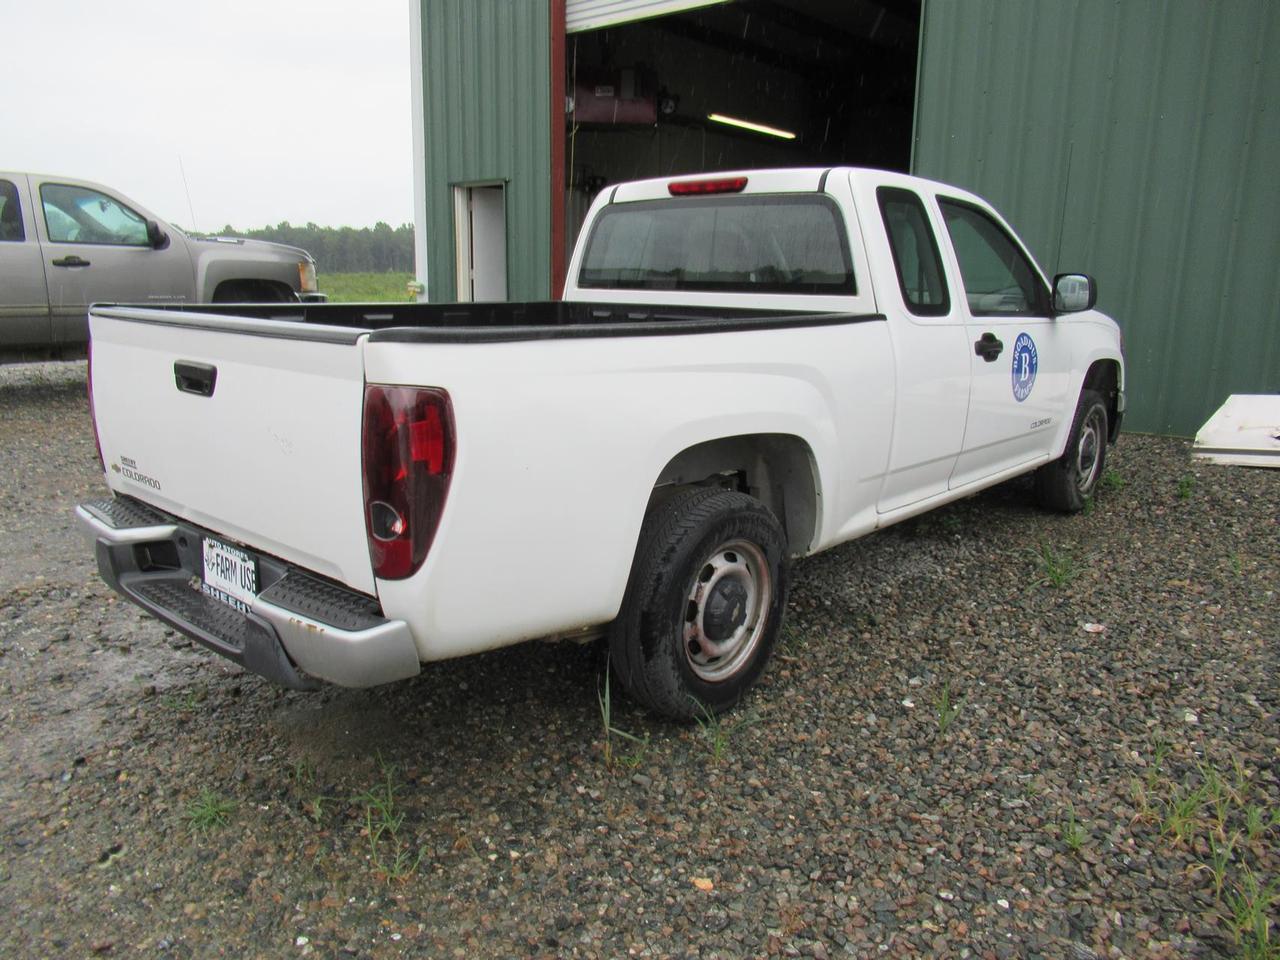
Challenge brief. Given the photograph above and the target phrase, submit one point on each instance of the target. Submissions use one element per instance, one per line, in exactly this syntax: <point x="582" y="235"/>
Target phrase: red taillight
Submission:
<point x="93" y="418"/>
<point x="408" y="459"/>
<point x="682" y="188"/>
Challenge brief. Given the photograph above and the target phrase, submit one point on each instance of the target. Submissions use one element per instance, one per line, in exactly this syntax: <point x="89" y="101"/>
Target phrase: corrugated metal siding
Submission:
<point x="594" y="14"/>
<point x="486" y="102"/>
<point x="1139" y="142"/>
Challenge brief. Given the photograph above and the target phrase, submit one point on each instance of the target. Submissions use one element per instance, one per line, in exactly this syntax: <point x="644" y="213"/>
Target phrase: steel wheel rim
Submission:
<point x="1089" y="450"/>
<point x="734" y="572"/>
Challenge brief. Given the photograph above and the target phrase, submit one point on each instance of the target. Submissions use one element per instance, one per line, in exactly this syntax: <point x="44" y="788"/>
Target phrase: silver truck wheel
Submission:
<point x="728" y="605"/>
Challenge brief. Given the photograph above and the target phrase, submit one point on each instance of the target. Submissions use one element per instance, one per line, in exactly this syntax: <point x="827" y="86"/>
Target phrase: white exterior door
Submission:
<point x="931" y="355"/>
<point x="1017" y="349"/>
<point x="480" y="222"/>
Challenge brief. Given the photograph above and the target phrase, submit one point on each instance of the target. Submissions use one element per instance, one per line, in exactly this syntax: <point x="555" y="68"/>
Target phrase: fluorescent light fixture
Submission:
<point x="753" y="127"/>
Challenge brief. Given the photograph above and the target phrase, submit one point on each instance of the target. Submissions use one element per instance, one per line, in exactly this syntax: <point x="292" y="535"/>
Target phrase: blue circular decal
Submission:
<point x="1025" y="363"/>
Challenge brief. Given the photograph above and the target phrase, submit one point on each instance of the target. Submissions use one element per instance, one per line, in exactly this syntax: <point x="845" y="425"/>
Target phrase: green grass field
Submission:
<point x="365" y="287"/>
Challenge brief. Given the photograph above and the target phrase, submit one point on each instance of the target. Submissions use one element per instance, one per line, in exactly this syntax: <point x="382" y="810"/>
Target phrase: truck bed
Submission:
<point x="482" y="322"/>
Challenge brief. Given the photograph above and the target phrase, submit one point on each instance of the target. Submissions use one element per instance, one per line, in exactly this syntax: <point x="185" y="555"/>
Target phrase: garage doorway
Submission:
<point x="480" y="241"/>
<point x="739" y="84"/>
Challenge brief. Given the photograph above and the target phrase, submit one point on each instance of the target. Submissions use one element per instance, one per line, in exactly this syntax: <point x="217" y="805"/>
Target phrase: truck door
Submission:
<point x="1018" y="351"/>
<point x="24" y="301"/>
<point x="930" y="354"/>
<point x="96" y="250"/>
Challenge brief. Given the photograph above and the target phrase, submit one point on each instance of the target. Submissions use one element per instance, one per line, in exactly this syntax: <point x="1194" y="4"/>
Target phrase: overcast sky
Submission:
<point x="291" y="110"/>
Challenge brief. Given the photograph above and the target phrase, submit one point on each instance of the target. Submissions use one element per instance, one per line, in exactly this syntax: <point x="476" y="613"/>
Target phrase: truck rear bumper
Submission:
<point x="298" y="630"/>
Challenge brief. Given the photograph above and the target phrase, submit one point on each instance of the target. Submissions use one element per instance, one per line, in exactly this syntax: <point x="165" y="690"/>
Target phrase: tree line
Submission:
<point x="377" y="249"/>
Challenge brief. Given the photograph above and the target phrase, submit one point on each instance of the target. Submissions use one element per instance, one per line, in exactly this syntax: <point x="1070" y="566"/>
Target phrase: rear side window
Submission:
<point x="755" y="244"/>
<point x="11" y="229"/>
<point x="998" y="278"/>
<point x="915" y="252"/>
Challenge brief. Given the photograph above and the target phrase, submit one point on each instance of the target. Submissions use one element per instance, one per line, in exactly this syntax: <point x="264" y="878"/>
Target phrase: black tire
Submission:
<point x="1066" y="483"/>
<point x="711" y="567"/>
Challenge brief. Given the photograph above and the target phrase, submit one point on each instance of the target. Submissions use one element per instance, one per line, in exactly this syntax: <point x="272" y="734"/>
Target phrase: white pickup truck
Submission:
<point x="746" y="368"/>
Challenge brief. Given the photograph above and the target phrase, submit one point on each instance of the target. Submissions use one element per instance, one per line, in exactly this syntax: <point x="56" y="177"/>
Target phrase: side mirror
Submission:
<point x="158" y="238"/>
<point x="1073" y="292"/>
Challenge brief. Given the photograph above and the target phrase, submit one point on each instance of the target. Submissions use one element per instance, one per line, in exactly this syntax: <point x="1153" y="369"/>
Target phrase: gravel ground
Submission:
<point x="952" y="754"/>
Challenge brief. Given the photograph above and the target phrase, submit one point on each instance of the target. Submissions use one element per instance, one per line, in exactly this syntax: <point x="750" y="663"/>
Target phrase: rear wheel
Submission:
<point x="704" y="603"/>
<point x="1066" y="483"/>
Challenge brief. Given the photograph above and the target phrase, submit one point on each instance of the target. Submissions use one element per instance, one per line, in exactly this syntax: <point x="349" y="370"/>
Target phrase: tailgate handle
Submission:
<point x="197" y="378"/>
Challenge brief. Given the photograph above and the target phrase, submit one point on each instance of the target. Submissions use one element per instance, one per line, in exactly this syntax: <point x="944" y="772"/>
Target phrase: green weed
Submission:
<point x="391" y="854"/>
<point x="609" y="731"/>
<point x="947" y="710"/>
<point x="1112" y="481"/>
<point x="1072" y="832"/>
<point x="1057" y="568"/>
<point x="718" y="732"/>
<point x="207" y="811"/>
<point x="1186" y="486"/>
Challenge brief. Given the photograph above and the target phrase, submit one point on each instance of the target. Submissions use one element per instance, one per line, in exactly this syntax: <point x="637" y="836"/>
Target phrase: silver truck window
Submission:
<point x="915" y="252"/>
<point x="11" y="229"/>
<point x="786" y="243"/>
<point x="80" y="215"/>
<point x="998" y="279"/>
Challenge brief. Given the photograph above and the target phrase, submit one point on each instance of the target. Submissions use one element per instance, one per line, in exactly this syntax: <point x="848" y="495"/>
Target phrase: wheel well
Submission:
<point x="777" y="469"/>
<point x="1104" y="377"/>
<point x="252" y="291"/>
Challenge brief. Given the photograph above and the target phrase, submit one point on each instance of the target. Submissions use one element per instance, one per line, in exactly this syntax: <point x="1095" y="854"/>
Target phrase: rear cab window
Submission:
<point x="757" y="243"/>
<point x="11" y="229"/>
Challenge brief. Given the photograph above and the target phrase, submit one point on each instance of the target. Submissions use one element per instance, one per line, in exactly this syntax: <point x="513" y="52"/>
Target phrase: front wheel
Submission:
<point x="1066" y="483"/>
<point x="704" y="604"/>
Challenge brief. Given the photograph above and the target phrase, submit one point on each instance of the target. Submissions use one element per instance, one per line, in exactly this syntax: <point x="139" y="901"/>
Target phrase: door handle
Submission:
<point x="988" y="347"/>
<point x="196" y="378"/>
<point x="71" y="261"/>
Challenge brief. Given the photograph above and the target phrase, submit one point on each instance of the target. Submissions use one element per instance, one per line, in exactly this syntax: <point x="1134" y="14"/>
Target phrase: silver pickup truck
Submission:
<point x="65" y="244"/>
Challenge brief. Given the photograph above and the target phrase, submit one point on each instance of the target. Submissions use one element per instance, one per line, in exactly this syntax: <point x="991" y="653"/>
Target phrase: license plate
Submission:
<point x="230" y="574"/>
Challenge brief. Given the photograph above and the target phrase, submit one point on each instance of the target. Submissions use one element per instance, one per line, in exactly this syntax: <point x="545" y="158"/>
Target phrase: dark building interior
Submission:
<point x="834" y="80"/>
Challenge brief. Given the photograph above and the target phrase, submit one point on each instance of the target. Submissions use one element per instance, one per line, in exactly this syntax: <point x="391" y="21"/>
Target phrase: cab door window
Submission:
<point x="11" y="229"/>
<point x="998" y="278"/>
<point x="81" y="215"/>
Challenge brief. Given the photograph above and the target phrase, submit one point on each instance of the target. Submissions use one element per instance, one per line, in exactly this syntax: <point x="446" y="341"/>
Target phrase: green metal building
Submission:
<point x="1132" y="139"/>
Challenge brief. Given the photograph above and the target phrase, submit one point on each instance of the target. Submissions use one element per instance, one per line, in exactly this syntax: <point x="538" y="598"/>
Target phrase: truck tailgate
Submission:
<point x="250" y="428"/>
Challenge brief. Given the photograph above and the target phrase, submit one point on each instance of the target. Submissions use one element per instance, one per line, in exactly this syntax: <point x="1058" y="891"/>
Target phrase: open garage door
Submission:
<point x="746" y="83"/>
<point x="597" y="14"/>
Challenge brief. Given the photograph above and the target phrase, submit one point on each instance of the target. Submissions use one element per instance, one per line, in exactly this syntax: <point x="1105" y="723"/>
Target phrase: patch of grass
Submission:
<point x="302" y="772"/>
<point x="1072" y="832"/>
<point x="366" y="287"/>
<point x="392" y="854"/>
<point x="1237" y="564"/>
<point x="1249" y="908"/>
<point x="1186" y="486"/>
<point x="1211" y="811"/>
<point x="1057" y="568"/>
<point x="208" y="811"/>
<point x="184" y="702"/>
<point x="946" y="709"/>
<point x="718" y="732"/>
<point x="640" y="745"/>
<point x="1112" y="481"/>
